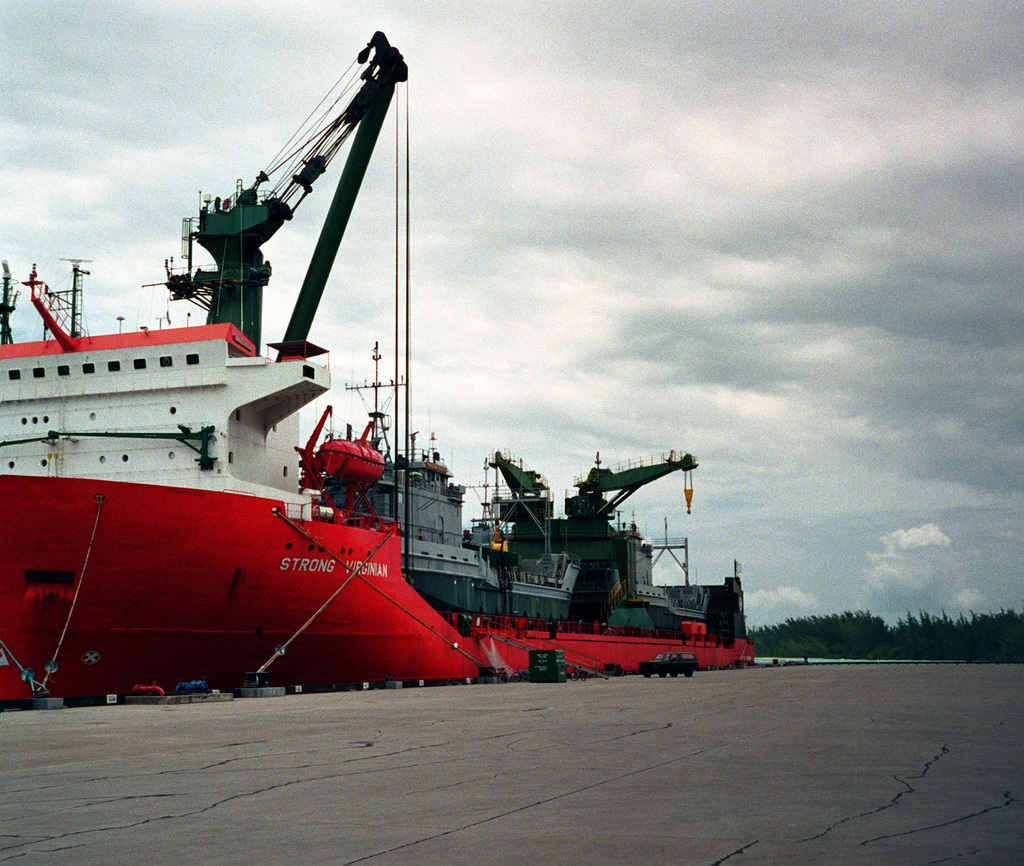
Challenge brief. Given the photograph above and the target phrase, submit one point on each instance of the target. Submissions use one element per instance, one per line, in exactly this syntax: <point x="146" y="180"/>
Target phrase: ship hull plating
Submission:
<point x="180" y="584"/>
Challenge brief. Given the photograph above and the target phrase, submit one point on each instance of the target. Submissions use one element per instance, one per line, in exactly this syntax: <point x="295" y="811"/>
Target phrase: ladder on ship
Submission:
<point x="614" y="597"/>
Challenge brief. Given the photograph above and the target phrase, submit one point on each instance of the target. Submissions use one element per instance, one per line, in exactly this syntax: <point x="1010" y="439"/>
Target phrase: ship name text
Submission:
<point x="318" y="565"/>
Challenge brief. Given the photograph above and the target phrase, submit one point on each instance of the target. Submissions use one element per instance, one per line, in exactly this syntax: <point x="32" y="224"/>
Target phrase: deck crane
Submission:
<point x="529" y="492"/>
<point x="590" y="502"/>
<point x="233" y="229"/>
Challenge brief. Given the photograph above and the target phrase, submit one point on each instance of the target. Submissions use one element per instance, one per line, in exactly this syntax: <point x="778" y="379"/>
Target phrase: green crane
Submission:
<point x="233" y="229"/>
<point x="590" y="502"/>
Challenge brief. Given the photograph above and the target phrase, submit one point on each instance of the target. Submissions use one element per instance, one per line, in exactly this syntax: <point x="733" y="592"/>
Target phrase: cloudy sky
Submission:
<point x="785" y="237"/>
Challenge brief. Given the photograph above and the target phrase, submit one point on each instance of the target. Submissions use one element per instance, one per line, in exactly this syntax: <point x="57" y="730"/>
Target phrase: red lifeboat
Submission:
<point x="353" y="461"/>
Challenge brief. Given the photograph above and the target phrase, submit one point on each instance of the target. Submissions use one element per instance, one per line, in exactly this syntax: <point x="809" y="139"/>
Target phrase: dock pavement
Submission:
<point x="855" y="764"/>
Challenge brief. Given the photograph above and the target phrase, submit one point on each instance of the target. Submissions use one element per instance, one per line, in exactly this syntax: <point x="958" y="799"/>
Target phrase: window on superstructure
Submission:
<point x="88" y="368"/>
<point x="63" y="370"/>
<point x="14" y="374"/>
<point x="113" y="366"/>
<point x="166" y="361"/>
<point x="38" y="372"/>
<point x="192" y="358"/>
<point x="140" y="363"/>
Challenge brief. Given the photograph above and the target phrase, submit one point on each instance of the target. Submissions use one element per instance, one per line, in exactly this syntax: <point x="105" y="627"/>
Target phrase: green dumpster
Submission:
<point x="547" y="666"/>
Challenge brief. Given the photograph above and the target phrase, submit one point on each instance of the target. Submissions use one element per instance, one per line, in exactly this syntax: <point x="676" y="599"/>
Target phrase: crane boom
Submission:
<point x="233" y="229"/>
<point x="591" y="502"/>
<point x="373" y="101"/>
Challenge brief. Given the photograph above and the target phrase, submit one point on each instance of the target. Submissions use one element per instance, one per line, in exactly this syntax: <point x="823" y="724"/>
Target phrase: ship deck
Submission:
<point x="882" y="763"/>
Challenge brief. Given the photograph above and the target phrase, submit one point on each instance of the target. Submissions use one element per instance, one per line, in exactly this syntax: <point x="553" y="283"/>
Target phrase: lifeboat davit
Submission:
<point x="353" y="461"/>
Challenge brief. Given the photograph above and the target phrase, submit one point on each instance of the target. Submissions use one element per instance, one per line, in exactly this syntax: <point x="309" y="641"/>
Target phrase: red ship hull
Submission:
<point x="176" y="584"/>
<point x="183" y="583"/>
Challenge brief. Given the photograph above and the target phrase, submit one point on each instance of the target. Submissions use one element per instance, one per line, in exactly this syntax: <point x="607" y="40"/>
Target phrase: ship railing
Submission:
<point x="298" y="510"/>
<point x="497" y="622"/>
<point x="638" y="463"/>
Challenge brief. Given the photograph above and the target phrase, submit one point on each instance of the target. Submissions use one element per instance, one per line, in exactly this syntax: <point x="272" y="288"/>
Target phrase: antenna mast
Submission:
<point x="72" y="298"/>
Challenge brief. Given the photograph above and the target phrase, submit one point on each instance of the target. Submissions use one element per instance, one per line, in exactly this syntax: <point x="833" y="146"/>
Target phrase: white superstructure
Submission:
<point x="116" y="403"/>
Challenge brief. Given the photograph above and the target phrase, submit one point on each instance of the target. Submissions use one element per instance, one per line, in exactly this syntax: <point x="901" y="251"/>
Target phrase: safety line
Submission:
<point x="7" y="653"/>
<point x="354" y="572"/>
<point x="376" y="588"/>
<point x="100" y="499"/>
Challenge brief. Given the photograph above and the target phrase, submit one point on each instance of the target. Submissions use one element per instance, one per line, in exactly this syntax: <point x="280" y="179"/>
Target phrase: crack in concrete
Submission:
<point x="908" y="789"/>
<point x="734" y="853"/>
<point x="105" y="800"/>
<point x="1008" y="800"/>
<point x="43" y="839"/>
<point x="973" y="854"/>
<point x="454" y="784"/>
<point x="552" y="799"/>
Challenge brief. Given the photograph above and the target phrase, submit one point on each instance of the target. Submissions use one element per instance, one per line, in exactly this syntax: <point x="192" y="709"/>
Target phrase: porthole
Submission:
<point x="92" y="416"/>
<point x="46" y="419"/>
<point x="42" y="462"/>
<point x="24" y="420"/>
<point x="170" y="455"/>
<point x="288" y="546"/>
<point x="124" y="457"/>
<point x="10" y="465"/>
<point x="35" y="419"/>
<point x="103" y="458"/>
<point x="166" y="361"/>
<point x="174" y="410"/>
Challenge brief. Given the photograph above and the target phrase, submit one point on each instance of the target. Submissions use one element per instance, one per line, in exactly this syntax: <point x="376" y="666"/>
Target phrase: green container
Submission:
<point x="547" y="666"/>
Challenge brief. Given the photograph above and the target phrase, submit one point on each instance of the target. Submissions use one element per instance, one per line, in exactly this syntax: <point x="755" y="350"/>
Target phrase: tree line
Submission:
<point x="984" y="637"/>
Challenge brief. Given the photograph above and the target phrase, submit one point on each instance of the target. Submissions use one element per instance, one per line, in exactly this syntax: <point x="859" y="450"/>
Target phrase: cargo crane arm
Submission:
<point x="590" y="501"/>
<point x="520" y="481"/>
<point x="368" y="110"/>
<point x="234" y="228"/>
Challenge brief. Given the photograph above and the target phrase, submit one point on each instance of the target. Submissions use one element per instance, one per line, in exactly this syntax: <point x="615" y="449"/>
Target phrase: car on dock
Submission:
<point x="670" y="664"/>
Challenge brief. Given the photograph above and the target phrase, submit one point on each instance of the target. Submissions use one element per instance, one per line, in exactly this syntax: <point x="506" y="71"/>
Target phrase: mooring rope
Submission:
<point x="354" y="572"/>
<point x="358" y="573"/>
<point x="6" y="651"/>
<point x="52" y="664"/>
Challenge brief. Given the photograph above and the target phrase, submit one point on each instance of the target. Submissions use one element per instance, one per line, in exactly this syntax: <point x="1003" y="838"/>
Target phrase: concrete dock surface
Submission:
<point x="858" y="764"/>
